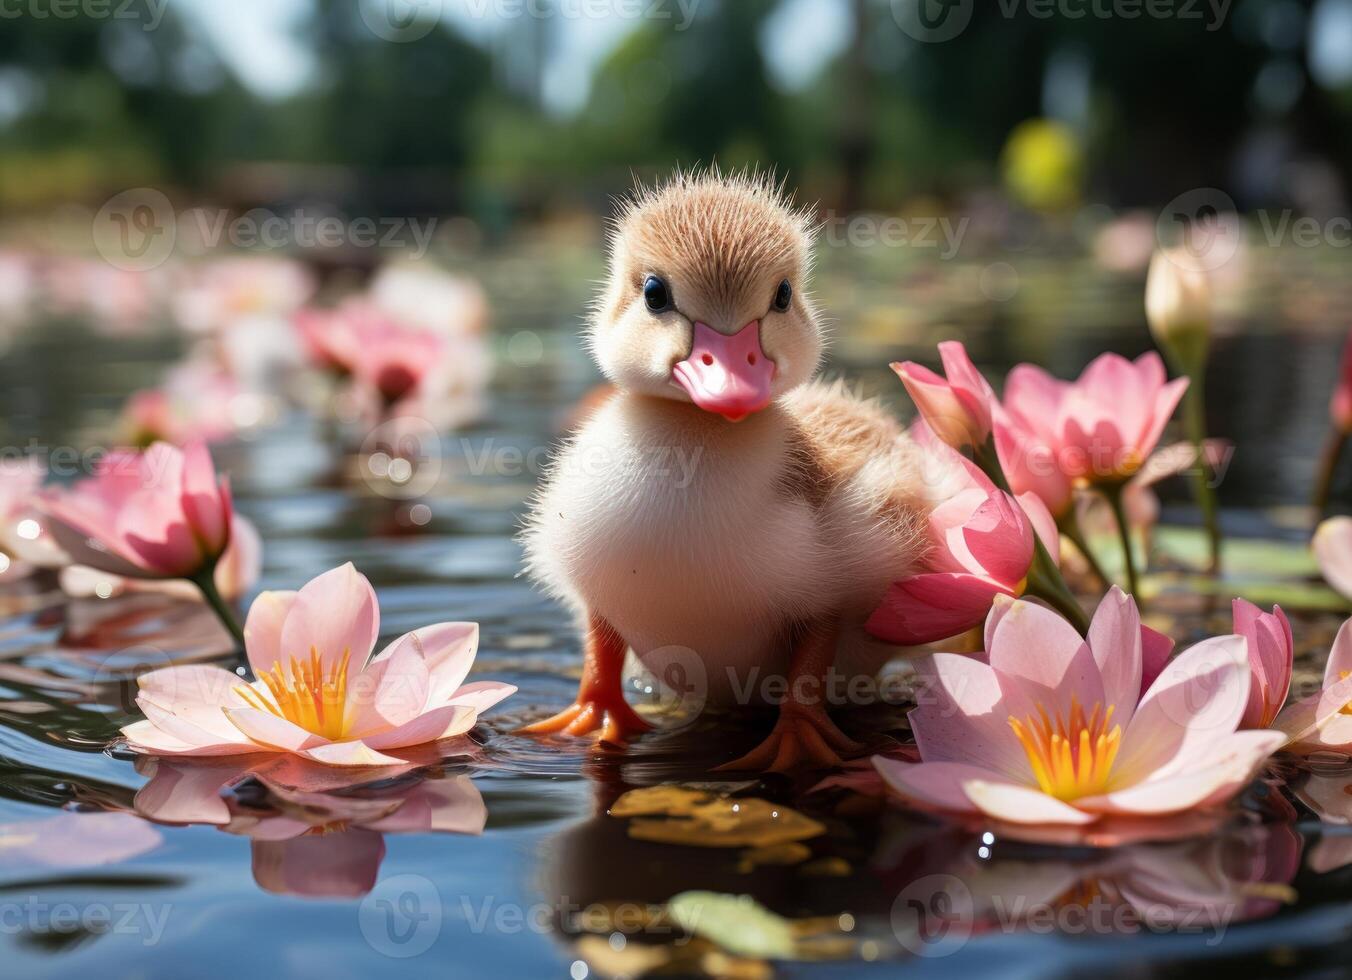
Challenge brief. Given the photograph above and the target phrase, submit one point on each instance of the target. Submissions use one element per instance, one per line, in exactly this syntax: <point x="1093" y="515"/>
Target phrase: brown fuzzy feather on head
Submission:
<point x="724" y="235"/>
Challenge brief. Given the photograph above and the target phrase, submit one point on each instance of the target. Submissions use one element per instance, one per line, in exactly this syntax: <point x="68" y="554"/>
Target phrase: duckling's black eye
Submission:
<point x="783" y="295"/>
<point x="656" y="294"/>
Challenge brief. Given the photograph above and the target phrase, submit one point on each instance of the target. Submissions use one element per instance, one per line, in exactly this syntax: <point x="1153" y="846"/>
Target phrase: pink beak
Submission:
<point x="727" y="375"/>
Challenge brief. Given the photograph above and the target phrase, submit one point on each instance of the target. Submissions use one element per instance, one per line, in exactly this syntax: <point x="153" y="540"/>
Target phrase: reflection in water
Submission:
<point x="312" y="832"/>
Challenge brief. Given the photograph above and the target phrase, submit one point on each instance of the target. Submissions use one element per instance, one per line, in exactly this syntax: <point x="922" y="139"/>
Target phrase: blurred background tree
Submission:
<point x="832" y="92"/>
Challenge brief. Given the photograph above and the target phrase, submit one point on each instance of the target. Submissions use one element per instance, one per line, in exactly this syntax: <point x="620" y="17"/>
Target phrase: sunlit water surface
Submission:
<point x="335" y="883"/>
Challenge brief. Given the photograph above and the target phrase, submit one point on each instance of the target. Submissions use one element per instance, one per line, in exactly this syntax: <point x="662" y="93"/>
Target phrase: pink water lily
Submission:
<point x="1113" y="415"/>
<point x="956" y="405"/>
<point x="317" y="691"/>
<point x="163" y="513"/>
<point x="235" y="574"/>
<point x="1054" y="728"/>
<point x="1271" y="649"/>
<point x="981" y="545"/>
<point x="1322" y="722"/>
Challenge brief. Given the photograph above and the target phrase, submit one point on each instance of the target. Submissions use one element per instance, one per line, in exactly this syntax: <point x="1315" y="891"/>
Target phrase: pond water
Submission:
<point x="313" y="879"/>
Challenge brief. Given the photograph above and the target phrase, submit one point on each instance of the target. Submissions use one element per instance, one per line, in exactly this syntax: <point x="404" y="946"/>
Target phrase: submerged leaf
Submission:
<point x="735" y="922"/>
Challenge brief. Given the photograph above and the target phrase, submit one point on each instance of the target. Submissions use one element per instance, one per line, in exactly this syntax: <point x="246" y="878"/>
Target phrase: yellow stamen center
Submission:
<point x="1071" y="757"/>
<point x="1347" y="708"/>
<point x="304" y="694"/>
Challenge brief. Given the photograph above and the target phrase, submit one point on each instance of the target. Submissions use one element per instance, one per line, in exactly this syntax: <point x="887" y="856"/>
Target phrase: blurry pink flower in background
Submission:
<point x="981" y="545"/>
<point x="25" y="543"/>
<point x="219" y="293"/>
<point x="1113" y="415"/>
<point x="956" y="405"/>
<point x="236" y="573"/>
<point x="115" y="301"/>
<point x="318" y="692"/>
<point x="1271" y="649"/>
<point x="198" y="401"/>
<point x="421" y="293"/>
<point x="1053" y="729"/>
<point x="163" y="513"/>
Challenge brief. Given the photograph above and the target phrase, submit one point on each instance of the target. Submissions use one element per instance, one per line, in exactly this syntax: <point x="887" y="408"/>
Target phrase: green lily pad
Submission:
<point x="735" y="922"/>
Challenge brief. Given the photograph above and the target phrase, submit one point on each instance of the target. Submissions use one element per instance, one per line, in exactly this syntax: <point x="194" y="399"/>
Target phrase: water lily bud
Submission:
<point x="1340" y="405"/>
<point x="1178" y="306"/>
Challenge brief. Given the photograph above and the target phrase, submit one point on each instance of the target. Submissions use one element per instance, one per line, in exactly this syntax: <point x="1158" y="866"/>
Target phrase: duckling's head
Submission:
<point x="706" y="300"/>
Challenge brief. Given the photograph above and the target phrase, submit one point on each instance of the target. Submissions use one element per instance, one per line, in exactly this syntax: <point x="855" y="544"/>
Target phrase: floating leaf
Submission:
<point x="703" y="820"/>
<point x="735" y="922"/>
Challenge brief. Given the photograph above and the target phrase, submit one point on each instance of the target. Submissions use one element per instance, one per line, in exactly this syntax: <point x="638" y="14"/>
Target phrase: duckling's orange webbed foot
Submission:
<point x="600" y="706"/>
<point x="804" y="737"/>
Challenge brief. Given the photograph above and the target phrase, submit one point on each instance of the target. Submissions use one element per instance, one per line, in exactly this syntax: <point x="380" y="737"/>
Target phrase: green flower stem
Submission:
<point x="1328" y="466"/>
<point x="1044" y="577"/>
<point x="1045" y="582"/>
<point x="1194" y="418"/>
<point x="1069" y="525"/>
<point x="1114" y="495"/>
<point x="206" y="584"/>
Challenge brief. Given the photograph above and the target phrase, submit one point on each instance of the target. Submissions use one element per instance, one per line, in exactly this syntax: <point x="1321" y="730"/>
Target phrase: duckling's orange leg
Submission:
<point x="804" y="736"/>
<point x="600" y="705"/>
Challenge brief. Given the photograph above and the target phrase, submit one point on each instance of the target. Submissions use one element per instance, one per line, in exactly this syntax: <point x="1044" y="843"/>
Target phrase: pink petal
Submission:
<point x="263" y="629"/>
<point x="1000" y="539"/>
<point x="1333" y="550"/>
<point x="1191" y="709"/>
<point x="391" y="690"/>
<point x="1209" y="779"/>
<point x="334" y="613"/>
<point x="933" y="784"/>
<point x="189" y="731"/>
<point x="1165" y="402"/>
<point x="272" y="732"/>
<point x="960" y="716"/>
<point x="352" y="753"/>
<point x="191" y="684"/>
<point x="1043" y="524"/>
<point x="150" y="527"/>
<point x="1155" y="650"/>
<point x="201" y="500"/>
<point x="931" y="607"/>
<point x="439" y="723"/>
<point x="449" y="650"/>
<point x="481" y="695"/>
<point x="1115" y="641"/>
<point x="939" y="405"/>
<point x="147" y="738"/>
<point x="1022" y="804"/>
<point x="1270" y="646"/>
<point x="1040" y="659"/>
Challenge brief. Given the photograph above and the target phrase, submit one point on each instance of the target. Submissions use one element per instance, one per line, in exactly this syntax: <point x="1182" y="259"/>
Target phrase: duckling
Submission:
<point x="720" y="500"/>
